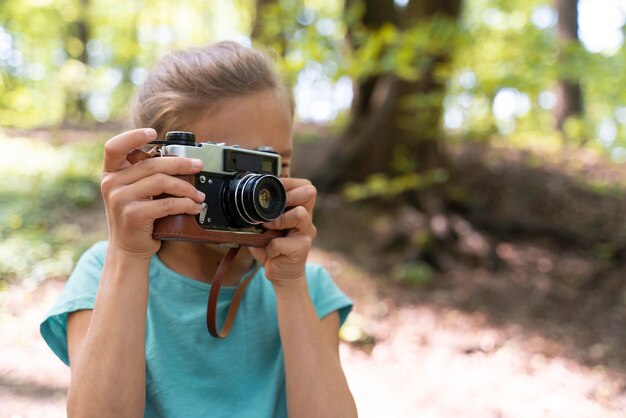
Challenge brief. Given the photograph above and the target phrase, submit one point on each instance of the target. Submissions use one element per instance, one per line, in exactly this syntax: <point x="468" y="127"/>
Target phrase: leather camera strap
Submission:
<point x="211" y="312"/>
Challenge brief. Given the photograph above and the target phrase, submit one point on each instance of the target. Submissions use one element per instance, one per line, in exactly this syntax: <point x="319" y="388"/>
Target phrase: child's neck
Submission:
<point x="200" y="261"/>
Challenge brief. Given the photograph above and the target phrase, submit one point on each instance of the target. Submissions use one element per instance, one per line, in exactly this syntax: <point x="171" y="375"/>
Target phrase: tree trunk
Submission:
<point x="380" y="124"/>
<point x="260" y="8"/>
<point x="76" y="106"/>
<point x="568" y="93"/>
<point x="382" y="127"/>
<point x="260" y="35"/>
<point x="83" y="32"/>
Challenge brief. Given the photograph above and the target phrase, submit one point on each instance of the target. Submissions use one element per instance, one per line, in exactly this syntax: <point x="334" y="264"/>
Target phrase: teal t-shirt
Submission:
<point x="188" y="372"/>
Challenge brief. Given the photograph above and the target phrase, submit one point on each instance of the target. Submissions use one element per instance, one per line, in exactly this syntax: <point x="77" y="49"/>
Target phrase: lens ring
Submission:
<point x="274" y="180"/>
<point x="245" y="191"/>
<point x="252" y="178"/>
<point x="241" y="185"/>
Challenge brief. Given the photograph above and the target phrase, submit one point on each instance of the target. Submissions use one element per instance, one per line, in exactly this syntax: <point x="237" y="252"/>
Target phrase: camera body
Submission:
<point x="242" y="187"/>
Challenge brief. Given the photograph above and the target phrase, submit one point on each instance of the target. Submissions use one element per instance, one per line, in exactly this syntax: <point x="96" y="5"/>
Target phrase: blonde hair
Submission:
<point x="197" y="78"/>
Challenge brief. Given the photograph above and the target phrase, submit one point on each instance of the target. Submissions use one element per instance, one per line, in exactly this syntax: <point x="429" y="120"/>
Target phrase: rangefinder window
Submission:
<point x="243" y="161"/>
<point x="269" y="166"/>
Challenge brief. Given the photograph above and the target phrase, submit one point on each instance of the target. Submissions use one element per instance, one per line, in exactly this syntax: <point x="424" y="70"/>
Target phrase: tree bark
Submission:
<point x="83" y="32"/>
<point x="75" y="104"/>
<point x="257" y="26"/>
<point x="380" y="124"/>
<point x="260" y="35"/>
<point x="382" y="127"/>
<point x="568" y="92"/>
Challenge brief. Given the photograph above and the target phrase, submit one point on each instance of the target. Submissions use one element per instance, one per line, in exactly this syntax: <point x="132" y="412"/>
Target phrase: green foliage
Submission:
<point x="304" y="32"/>
<point x="416" y="273"/>
<point x="46" y="71"/>
<point x="407" y="53"/>
<point x="45" y="75"/>
<point x="46" y="192"/>
<point x="509" y="51"/>
<point x="382" y="186"/>
<point x="605" y="251"/>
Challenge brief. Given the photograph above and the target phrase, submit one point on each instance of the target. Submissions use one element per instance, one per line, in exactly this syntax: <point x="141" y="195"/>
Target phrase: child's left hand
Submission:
<point x="284" y="258"/>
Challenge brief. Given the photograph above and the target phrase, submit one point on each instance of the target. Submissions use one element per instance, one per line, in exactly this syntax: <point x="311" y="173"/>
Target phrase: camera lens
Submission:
<point x="255" y="198"/>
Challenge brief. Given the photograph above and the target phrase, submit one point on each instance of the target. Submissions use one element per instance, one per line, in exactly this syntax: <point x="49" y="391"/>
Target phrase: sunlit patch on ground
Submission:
<point x="421" y="360"/>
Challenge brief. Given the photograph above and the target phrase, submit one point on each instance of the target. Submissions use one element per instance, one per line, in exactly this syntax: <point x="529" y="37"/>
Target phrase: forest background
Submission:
<point x="469" y="156"/>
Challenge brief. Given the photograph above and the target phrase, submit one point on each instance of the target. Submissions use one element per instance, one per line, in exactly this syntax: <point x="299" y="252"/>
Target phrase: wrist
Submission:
<point x="122" y="260"/>
<point x="291" y="287"/>
<point x="119" y="255"/>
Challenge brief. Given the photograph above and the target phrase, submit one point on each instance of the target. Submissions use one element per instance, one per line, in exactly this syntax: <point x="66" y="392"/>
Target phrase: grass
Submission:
<point x="45" y="192"/>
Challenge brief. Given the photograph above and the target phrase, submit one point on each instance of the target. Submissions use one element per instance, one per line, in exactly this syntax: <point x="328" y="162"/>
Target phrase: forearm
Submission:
<point x="108" y="377"/>
<point x="316" y="385"/>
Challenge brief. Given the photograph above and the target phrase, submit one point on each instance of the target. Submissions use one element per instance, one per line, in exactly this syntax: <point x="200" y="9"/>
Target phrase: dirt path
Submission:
<point x="408" y="360"/>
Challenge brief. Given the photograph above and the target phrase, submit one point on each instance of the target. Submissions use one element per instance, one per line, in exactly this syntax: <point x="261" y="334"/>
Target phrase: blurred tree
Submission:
<point x="262" y="9"/>
<point x="80" y="60"/>
<point x="569" y="100"/>
<point x="394" y="124"/>
<point x="59" y="59"/>
<point x="76" y="47"/>
<point x="275" y="23"/>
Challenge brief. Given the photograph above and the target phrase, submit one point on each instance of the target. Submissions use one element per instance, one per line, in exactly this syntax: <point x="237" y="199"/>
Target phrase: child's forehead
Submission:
<point x="251" y="121"/>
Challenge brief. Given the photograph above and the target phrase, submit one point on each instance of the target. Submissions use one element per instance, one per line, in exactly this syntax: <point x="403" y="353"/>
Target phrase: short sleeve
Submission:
<point x="327" y="297"/>
<point x="79" y="293"/>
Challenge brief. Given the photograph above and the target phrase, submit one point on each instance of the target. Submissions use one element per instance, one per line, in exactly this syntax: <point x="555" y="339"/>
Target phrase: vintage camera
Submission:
<point x="241" y="186"/>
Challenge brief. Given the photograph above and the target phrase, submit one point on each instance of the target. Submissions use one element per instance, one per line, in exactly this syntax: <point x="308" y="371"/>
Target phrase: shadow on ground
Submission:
<point x="30" y="389"/>
<point x="536" y="288"/>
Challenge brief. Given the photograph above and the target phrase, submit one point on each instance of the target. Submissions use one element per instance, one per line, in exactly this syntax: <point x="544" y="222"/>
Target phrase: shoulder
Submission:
<point x="318" y="278"/>
<point x="92" y="260"/>
<point x="314" y="270"/>
<point x="325" y="294"/>
<point x="79" y="293"/>
<point x="86" y="274"/>
<point x="97" y="252"/>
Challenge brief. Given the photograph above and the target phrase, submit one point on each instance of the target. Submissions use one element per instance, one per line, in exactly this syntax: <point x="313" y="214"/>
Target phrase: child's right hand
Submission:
<point x="128" y="191"/>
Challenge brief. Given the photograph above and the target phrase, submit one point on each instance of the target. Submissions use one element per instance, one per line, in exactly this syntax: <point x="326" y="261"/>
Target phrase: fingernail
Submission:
<point x="198" y="207"/>
<point x="195" y="163"/>
<point x="201" y="195"/>
<point x="150" y="133"/>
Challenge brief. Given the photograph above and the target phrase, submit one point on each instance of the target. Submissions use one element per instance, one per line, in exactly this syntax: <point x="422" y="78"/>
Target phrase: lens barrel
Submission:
<point x="252" y="199"/>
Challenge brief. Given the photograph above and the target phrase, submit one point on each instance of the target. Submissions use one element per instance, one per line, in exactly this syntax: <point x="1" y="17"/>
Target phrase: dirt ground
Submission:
<point x="411" y="353"/>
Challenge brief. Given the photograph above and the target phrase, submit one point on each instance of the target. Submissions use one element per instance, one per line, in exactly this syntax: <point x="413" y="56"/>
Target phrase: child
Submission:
<point x="130" y="321"/>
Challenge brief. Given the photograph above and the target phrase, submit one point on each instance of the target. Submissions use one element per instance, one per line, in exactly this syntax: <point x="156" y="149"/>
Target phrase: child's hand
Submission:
<point x="128" y="189"/>
<point x="284" y="258"/>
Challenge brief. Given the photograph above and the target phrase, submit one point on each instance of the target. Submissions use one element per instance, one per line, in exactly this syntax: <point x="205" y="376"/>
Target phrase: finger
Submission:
<point x="117" y="148"/>
<point x="298" y="219"/>
<point x="154" y="209"/>
<point x="290" y="247"/>
<point x="166" y="165"/>
<point x="158" y="184"/>
<point x="291" y="182"/>
<point x="304" y="195"/>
